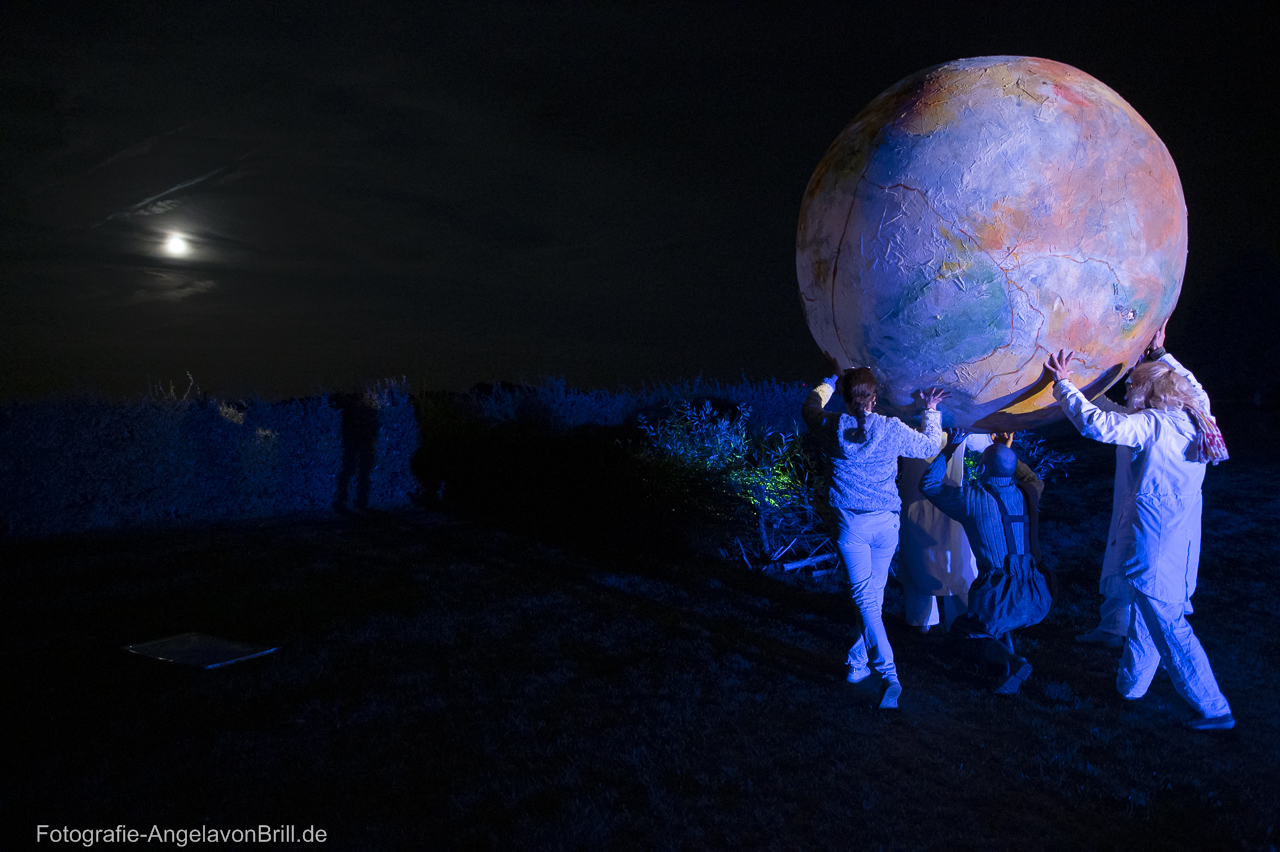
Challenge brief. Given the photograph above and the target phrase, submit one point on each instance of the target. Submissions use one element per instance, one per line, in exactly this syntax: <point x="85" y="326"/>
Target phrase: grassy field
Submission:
<point x="564" y="674"/>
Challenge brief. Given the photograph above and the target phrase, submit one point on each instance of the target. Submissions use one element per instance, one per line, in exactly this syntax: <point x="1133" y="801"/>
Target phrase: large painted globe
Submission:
<point x="981" y="214"/>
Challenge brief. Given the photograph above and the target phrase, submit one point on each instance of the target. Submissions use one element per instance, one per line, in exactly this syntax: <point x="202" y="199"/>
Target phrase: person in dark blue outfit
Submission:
<point x="1010" y="592"/>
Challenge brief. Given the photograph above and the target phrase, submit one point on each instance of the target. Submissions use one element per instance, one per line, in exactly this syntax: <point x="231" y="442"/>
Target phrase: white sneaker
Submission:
<point x="1215" y="723"/>
<point x="857" y="675"/>
<point x="890" y="691"/>
<point x="1098" y="636"/>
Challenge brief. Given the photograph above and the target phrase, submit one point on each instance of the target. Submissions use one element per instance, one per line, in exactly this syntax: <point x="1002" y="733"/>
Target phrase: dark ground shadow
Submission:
<point x="466" y="680"/>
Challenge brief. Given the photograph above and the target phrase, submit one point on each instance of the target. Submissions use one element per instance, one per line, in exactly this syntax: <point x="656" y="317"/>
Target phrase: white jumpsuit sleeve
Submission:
<point x="1107" y="404"/>
<point x="1109" y="427"/>
<point x="1202" y="398"/>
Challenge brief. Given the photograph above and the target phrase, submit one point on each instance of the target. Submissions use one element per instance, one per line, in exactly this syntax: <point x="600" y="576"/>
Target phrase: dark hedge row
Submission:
<point x="698" y="455"/>
<point x="74" y="465"/>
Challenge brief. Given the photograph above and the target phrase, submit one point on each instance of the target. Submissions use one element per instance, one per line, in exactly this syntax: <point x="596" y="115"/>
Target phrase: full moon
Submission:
<point x="177" y="245"/>
<point x="981" y="214"/>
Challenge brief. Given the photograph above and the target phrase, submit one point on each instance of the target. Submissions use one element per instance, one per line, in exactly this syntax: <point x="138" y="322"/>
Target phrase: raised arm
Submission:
<point x="1157" y="352"/>
<point x="925" y="443"/>
<point x="812" y="412"/>
<point x="1106" y="403"/>
<point x="1026" y="479"/>
<point x="1130" y="430"/>
<point x="1202" y="398"/>
<point x="950" y="499"/>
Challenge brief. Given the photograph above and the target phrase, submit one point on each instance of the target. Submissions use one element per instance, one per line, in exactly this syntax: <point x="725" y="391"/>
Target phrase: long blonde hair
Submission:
<point x="1154" y="384"/>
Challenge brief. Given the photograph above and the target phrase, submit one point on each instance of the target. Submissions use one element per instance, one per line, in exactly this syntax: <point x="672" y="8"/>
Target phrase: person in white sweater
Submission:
<point x="1171" y="439"/>
<point x="863" y="448"/>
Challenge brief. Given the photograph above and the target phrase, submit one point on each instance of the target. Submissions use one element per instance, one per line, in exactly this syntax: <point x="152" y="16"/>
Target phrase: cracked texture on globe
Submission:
<point x="979" y="215"/>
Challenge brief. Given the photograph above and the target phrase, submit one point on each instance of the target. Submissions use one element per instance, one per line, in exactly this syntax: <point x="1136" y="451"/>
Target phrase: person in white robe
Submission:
<point x="1113" y="621"/>
<point x="1158" y="533"/>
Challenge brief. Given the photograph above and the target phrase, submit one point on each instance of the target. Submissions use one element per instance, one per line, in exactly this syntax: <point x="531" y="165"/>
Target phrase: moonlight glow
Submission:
<point x="177" y="245"/>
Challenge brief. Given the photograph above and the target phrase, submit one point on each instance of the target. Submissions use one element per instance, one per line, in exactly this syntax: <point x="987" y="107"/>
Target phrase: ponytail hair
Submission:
<point x="859" y="388"/>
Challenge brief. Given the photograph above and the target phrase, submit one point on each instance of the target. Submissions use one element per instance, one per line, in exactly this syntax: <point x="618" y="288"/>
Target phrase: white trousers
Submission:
<point x="866" y="542"/>
<point x="1159" y="632"/>
<point x="1114" y="615"/>
<point x="921" y="608"/>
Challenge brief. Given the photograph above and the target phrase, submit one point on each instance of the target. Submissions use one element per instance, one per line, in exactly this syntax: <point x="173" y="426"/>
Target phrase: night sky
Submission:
<point x="466" y="192"/>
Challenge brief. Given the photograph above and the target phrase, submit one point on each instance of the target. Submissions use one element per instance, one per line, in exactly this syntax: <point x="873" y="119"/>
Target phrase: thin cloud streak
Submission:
<point x="166" y="286"/>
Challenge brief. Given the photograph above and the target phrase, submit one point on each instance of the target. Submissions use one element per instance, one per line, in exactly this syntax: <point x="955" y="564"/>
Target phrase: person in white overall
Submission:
<point x="1113" y="621"/>
<point x="862" y="448"/>
<point x="1171" y="440"/>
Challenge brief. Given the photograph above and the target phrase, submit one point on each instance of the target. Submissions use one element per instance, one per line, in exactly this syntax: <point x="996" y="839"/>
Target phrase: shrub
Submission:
<point x="769" y="405"/>
<point x="724" y="467"/>
<point x="1046" y="463"/>
<point x="769" y="476"/>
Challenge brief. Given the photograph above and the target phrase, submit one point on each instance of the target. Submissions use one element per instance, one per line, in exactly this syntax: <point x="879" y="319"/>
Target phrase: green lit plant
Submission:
<point x="767" y="475"/>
